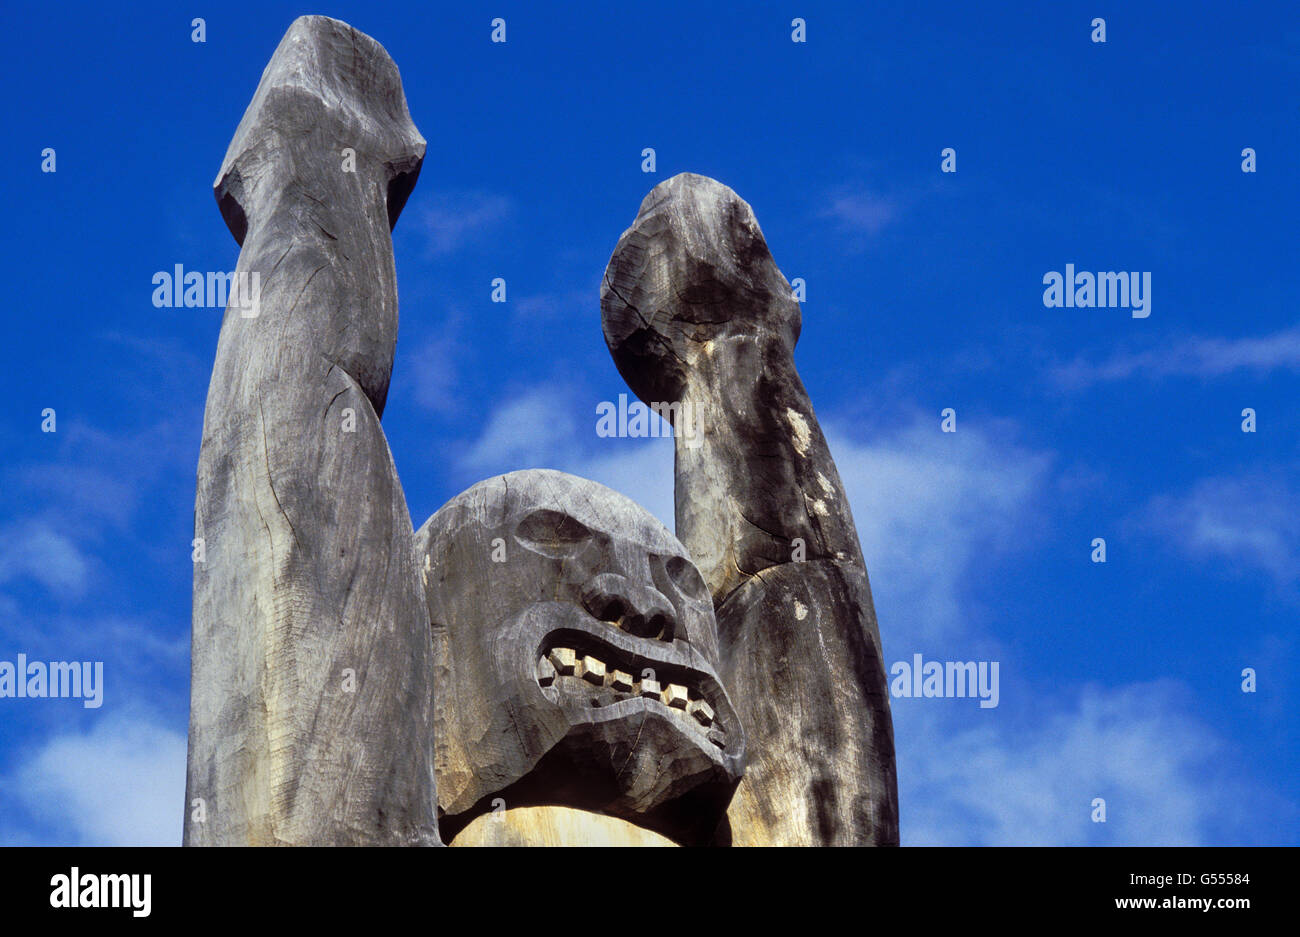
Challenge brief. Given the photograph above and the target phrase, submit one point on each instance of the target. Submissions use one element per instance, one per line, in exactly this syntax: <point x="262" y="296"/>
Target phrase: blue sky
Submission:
<point x="924" y="291"/>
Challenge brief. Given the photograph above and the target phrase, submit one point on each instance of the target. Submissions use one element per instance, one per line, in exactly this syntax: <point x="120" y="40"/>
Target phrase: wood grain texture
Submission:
<point x="575" y="660"/>
<point x="311" y="702"/>
<point x="554" y="826"/>
<point x="695" y="311"/>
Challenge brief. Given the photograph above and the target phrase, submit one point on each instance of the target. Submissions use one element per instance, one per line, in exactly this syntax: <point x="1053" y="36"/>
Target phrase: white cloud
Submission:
<point x="574" y="304"/>
<point x="90" y="492"/>
<point x="37" y="550"/>
<point x="1196" y="357"/>
<point x="929" y="506"/>
<point x="143" y="658"/>
<point x="858" y="209"/>
<point x="450" y="220"/>
<point x="555" y="427"/>
<point x="1032" y="782"/>
<point x="530" y="430"/>
<point x="932" y="509"/>
<point x="100" y="477"/>
<point x="640" y="469"/>
<point x="1234" y="522"/>
<point x="120" y="784"/>
<point x="430" y="373"/>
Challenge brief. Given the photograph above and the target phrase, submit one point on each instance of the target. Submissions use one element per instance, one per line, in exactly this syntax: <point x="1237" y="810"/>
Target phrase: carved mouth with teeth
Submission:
<point x="636" y="726"/>
<point x="602" y="678"/>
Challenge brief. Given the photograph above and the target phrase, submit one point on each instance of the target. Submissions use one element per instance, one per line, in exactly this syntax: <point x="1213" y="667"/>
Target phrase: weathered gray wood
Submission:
<point x="310" y="718"/>
<point x="695" y="311"/>
<point x="550" y="597"/>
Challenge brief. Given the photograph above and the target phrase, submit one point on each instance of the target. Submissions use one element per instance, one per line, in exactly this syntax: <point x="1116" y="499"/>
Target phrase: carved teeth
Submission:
<point x="564" y="660"/>
<point x="702" y="712"/>
<point x="675" y="695"/>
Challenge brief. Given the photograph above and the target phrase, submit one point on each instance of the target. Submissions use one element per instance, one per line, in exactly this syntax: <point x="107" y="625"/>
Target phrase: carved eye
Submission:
<point x="552" y="533"/>
<point x="687" y="578"/>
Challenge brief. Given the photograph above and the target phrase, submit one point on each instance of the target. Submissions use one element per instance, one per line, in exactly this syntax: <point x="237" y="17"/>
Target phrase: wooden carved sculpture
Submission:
<point x="566" y="668"/>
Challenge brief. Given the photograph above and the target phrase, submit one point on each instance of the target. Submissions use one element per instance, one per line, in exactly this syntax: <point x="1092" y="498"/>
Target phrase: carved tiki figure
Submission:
<point x="695" y="311"/>
<point x="310" y="584"/>
<point x="576" y="660"/>
<point x="560" y="668"/>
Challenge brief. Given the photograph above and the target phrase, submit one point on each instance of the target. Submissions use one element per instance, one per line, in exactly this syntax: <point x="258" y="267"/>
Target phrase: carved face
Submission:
<point x="577" y="658"/>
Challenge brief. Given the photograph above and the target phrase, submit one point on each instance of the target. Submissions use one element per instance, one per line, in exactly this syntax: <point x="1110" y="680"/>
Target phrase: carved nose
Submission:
<point x="635" y="608"/>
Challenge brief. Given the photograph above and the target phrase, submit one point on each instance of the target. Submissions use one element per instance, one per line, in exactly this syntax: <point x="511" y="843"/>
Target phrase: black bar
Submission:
<point x="636" y="889"/>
